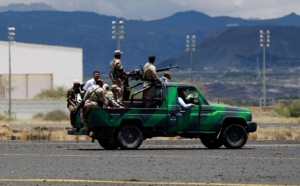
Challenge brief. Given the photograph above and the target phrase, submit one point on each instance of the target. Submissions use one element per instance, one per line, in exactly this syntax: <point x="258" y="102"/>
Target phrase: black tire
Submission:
<point x="107" y="145"/>
<point x="211" y="143"/>
<point x="130" y="137"/>
<point x="235" y="136"/>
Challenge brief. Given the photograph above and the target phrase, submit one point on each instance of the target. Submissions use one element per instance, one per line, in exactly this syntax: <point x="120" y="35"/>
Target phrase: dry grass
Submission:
<point x="275" y="133"/>
<point x="268" y="115"/>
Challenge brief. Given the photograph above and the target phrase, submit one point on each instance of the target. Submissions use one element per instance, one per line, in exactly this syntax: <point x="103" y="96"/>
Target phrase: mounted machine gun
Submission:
<point x="137" y="75"/>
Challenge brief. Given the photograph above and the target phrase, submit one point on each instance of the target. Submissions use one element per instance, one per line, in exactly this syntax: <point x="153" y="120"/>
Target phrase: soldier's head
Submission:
<point x="106" y="87"/>
<point x="167" y="75"/>
<point x="151" y="59"/>
<point x="115" y="88"/>
<point x="96" y="75"/>
<point x="76" y="84"/>
<point x="99" y="82"/>
<point x="118" y="54"/>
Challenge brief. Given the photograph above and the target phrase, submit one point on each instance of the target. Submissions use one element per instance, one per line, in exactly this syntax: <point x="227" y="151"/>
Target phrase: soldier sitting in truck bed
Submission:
<point x="112" y="98"/>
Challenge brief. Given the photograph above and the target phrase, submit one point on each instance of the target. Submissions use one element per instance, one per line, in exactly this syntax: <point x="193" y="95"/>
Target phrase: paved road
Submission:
<point x="157" y="162"/>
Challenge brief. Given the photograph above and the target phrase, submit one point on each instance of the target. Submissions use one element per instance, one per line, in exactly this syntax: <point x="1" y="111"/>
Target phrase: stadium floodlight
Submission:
<point x="264" y="42"/>
<point x="11" y="39"/>
<point x="191" y="46"/>
<point x="118" y="31"/>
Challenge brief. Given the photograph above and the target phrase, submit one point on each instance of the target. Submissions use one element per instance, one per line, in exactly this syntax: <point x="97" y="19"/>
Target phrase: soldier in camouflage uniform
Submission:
<point x="112" y="98"/>
<point x="117" y="73"/>
<point x="150" y="78"/>
<point x="93" y="98"/>
<point x="72" y="101"/>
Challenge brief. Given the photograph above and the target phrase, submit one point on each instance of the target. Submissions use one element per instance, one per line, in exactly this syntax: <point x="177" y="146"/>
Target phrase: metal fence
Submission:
<point x="25" y="109"/>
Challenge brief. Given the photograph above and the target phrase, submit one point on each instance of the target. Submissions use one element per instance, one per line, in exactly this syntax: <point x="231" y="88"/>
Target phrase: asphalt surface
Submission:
<point x="157" y="162"/>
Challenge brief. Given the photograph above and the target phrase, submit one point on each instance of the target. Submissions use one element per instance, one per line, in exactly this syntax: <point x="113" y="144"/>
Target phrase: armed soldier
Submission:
<point x="117" y="73"/>
<point x="93" y="98"/>
<point x="72" y="99"/>
<point x="150" y="79"/>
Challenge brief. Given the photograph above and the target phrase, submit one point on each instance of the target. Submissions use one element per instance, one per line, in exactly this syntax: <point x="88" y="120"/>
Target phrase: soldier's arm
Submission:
<point x="153" y="74"/>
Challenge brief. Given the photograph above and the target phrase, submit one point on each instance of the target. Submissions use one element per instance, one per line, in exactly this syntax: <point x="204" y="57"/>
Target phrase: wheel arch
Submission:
<point x="234" y="120"/>
<point x="132" y="121"/>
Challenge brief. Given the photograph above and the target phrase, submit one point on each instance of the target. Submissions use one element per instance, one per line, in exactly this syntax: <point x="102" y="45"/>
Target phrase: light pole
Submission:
<point x="118" y="31"/>
<point x="191" y="46"/>
<point x="264" y="42"/>
<point x="11" y="39"/>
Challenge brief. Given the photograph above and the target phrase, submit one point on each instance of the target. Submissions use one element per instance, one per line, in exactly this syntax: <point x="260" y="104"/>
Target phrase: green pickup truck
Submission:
<point x="214" y="124"/>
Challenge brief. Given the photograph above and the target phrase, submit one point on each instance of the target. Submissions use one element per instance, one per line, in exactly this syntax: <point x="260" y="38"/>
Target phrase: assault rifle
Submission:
<point x="137" y="74"/>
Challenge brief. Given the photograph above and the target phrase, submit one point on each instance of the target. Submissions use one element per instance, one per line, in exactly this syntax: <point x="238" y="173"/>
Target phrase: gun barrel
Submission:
<point x="166" y="69"/>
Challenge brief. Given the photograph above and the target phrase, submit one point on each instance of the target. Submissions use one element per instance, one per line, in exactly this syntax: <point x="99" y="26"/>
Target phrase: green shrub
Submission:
<point x="288" y="110"/>
<point x="2" y="117"/>
<point x="54" y="93"/>
<point x="294" y="109"/>
<point x="278" y="108"/>
<point x="38" y="115"/>
<point x="56" y="115"/>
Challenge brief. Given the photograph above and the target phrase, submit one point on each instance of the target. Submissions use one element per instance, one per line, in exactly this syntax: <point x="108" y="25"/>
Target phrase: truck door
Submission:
<point x="183" y="118"/>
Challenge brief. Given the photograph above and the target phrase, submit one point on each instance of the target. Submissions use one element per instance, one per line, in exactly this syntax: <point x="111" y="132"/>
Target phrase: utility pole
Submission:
<point x="264" y="42"/>
<point x="11" y="39"/>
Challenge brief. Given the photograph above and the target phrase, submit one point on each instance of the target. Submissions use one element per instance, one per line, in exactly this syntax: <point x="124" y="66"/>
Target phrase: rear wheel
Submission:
<point x="211" y="143"/>
<point x="130" y="137"/>
<point x="107" y="145"/>
<point x="235" y="136"/>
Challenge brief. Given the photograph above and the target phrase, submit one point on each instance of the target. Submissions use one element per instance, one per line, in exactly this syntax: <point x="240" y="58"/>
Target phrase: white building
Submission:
<point x="36" y="67"/>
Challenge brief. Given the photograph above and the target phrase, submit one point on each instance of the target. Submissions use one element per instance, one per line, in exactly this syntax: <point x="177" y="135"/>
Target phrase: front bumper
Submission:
<point x="251" y="126"/>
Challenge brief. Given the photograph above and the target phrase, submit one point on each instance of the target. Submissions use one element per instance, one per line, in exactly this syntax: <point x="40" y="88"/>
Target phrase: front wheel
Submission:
<point x="130" y="137"/>
<point x="235" y="136"/>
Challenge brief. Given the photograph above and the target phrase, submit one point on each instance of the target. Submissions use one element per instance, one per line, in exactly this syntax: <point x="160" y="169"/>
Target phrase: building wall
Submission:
<point x="25" y="86"/>
<point x="63" y="63"/>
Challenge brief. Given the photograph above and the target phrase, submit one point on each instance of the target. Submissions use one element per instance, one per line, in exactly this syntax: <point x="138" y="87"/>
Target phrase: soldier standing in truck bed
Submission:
<point x="117" y="73"/>
<point x="150" y="78"/>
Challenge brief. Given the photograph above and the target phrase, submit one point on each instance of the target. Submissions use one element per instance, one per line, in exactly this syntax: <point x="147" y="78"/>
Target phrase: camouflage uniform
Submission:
<point x="150" y="78"/>
<point x="111" y="100"/>
<point x="72" y="96"/>
<point x="94" y="98"/>
<point x="116" y="68"/>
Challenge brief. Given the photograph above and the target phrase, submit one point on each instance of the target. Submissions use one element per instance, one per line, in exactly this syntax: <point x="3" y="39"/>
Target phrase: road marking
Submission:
<point x="156" y="156"/>
<point x="135" y="182"/>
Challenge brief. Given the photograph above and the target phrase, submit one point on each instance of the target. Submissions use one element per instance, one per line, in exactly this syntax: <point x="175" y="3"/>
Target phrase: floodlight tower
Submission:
<point x="118" y="31"/>
<point x="11" y="39"/>
<point x="191" y="46"/>
<point x="264" y="42"/>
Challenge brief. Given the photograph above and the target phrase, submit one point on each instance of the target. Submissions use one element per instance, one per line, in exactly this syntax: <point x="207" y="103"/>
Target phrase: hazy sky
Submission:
<point x="156" y="9"/>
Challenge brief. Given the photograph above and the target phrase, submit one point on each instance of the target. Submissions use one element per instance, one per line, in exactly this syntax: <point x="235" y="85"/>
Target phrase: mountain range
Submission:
<point x="217" y="44"/>
<point x="227" y="48"/>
